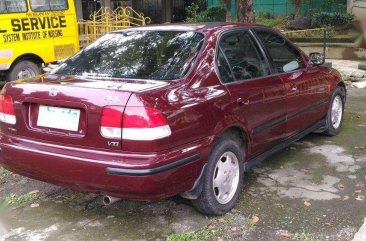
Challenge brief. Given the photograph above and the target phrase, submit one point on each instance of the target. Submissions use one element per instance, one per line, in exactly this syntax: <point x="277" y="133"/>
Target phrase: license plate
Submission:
<point x="58" y="118"/>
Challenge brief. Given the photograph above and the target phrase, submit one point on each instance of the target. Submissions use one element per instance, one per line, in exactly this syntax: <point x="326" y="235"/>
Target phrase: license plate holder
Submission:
<point x="58" y="118"/>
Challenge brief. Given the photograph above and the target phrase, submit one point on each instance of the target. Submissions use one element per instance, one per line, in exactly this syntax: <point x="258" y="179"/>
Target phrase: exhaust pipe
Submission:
<point x="108" y="200"/>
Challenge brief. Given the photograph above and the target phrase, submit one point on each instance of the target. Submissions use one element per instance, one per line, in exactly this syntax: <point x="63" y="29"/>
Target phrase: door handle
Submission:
<point x="242" y="102"/>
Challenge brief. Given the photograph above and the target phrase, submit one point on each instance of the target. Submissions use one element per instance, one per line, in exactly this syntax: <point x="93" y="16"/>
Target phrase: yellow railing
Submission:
<point x="106" y="20"/>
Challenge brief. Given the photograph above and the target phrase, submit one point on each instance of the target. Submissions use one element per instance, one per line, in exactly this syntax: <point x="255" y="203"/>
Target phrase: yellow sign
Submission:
<point x="41" y="31"/>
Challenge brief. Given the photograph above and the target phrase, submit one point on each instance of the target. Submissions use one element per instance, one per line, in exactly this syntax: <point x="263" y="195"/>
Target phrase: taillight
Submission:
<point x="7" y="114"/>
<point x="144" y="124"/>
<point x="111" y="122"/>
<point x="134" y="123"/>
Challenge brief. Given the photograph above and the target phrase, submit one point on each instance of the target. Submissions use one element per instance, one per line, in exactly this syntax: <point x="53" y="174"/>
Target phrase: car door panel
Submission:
<point x="305" y="91"/>
<point x="257" y="99"/>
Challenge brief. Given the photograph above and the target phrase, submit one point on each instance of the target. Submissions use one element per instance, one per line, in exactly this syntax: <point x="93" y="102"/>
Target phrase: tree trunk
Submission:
<point x="245" y="11"/>
<point x="228" y="11"/>
<point x="227" y="4"/>
<point x="297" y="8"/>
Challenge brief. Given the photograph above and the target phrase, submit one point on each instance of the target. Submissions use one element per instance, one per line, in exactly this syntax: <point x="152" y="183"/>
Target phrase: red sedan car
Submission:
<point x="151" y="112"/>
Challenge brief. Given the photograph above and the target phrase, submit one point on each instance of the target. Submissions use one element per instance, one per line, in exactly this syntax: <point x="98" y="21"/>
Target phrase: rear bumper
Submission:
<point x="125" y="175"/>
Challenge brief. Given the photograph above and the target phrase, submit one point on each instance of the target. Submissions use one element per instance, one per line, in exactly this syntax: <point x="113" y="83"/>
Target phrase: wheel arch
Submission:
<point x="238" y="133"/>
<point x="30" y="57"/>
<point x="233" y="131"/>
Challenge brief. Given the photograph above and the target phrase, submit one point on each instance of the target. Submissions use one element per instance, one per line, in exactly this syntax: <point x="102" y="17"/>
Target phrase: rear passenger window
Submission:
<point x="285" y="56"/>
<point x="244" y="56"/>
<point x="13" y="6"/>
<point x="48" y="5"/>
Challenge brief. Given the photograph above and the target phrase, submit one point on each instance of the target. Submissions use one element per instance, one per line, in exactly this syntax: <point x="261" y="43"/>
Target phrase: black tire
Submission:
<point x="332" y="128"/>
<point x="29" y="69"/>
<point x="207" y="203"/>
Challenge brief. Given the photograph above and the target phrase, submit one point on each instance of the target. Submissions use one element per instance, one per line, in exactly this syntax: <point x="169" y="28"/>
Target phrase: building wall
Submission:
<point x="358" y="8"/>
<point x="286" y="7"/>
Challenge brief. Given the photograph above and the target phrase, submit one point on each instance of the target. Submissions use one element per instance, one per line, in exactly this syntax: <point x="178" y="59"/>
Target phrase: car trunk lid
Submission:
<point x="66" y="109"/>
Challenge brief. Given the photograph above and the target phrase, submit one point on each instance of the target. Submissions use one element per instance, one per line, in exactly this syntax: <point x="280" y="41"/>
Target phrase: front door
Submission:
<point x="257" y="99"/>
<point x="306" y="93"/>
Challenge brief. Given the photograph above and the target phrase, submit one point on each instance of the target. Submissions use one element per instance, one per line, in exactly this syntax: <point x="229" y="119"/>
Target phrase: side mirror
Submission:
<point x="317" y="58"/>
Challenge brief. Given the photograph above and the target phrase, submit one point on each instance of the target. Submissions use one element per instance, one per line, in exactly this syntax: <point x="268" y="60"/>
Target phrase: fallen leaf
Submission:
<point x="285" y="234"/>
<point x="360" y="198"/>
<point x="234" y="229"/>
<point x="328" y="224"/>
<point x="306" y="203"/>
<point x="34" y="192"/>
<point x="255" y="218"/>
<point x="211" y="226"/>
<point x="34" y="205"/>
<point x="220" y="239"/>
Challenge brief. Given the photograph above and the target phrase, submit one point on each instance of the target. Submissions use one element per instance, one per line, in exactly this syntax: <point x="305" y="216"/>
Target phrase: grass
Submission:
<point x="305" y="237"/>
<point x="271" y="22"/>
<point x="20" y="199"/>
<point x="203" y="234"/>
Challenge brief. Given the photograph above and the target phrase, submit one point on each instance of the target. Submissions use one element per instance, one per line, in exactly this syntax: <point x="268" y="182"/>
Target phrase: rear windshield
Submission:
<point x="156" y="55"/>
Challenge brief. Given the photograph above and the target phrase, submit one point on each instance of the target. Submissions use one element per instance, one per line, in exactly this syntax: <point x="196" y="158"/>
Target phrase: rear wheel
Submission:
<point x="222" y="180"/>
<point x="23" y="69"/>
<point x="335" y="113"/>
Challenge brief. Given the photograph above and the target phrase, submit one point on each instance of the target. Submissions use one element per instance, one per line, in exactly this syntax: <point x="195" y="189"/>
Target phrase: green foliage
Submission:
<point x="216" y="14"/>
<point x="195" y="14"/>
<point x="19" y="199"/>
<point x="271" y="22"/>
<point x="332" y="19"/>
<point x="203" y="234"/>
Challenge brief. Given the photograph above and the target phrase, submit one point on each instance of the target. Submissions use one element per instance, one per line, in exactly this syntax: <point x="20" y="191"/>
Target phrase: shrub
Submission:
<point x="333" y="19"/>
<point x="216" y="14"/>
<point x="213" y="14"/>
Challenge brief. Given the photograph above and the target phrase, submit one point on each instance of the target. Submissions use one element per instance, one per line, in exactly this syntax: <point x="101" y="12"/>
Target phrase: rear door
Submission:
<point x="257" y="99"/>
<point x="306" y="92"/>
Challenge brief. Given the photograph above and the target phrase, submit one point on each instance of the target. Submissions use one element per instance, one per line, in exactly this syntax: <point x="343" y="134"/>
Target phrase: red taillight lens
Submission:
<point x="7" y="113"/>
<point x="111" y="122"/>
<point x="143" y="117"/>
<point x="134" y="123"/>
<point x="144" y="124"/>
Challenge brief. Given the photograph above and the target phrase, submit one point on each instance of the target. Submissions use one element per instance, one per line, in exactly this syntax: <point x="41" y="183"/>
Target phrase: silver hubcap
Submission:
<point x="337" y="112"/>
<point x="226" y="177"/>
<point x="26" y="73"/>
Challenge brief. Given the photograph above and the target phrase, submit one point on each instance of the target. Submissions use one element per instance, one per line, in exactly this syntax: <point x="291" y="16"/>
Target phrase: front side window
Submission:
<point x="285" y="56"/>
<point x="13" y="6"/>
<point x="48" y="5"/>
<point x="157" y="55"/>
<point x="244" y="56"/>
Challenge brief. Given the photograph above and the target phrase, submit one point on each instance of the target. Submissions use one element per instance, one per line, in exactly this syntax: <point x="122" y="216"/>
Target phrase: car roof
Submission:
<point x="199" y="27"/>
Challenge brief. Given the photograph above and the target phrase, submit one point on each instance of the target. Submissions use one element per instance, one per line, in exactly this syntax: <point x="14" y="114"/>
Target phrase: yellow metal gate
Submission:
<point x="106" y="20"/>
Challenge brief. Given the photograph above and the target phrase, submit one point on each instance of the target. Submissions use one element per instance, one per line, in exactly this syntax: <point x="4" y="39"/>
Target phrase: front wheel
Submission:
<point x="23" y="69"/>
<point x="335" y="113"/>
<point x="222" y="180"/>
